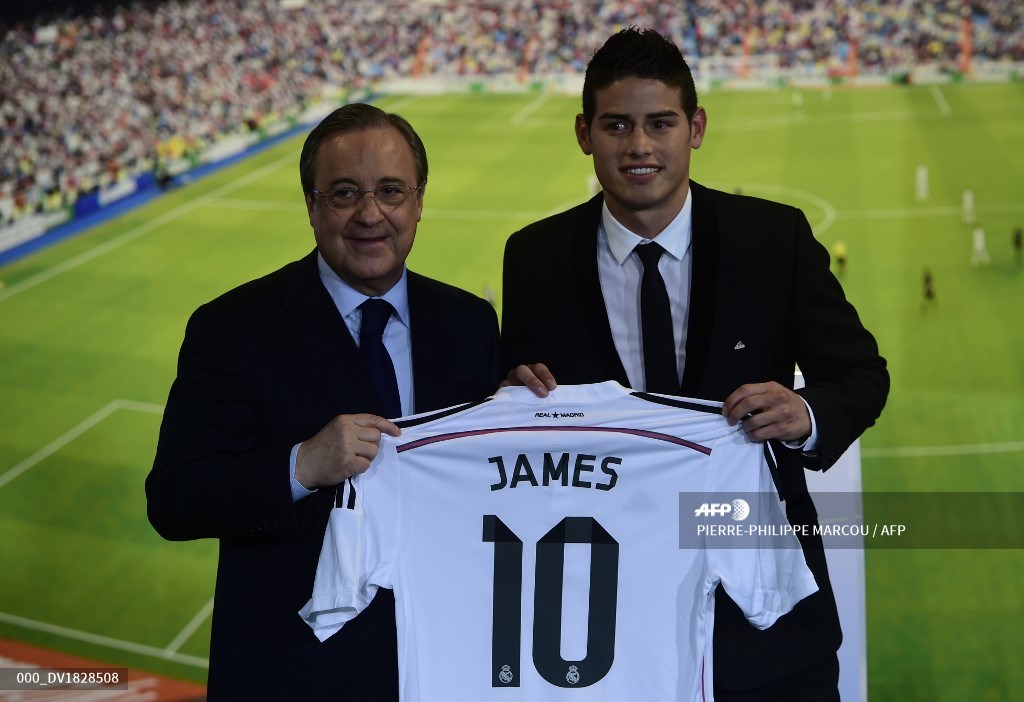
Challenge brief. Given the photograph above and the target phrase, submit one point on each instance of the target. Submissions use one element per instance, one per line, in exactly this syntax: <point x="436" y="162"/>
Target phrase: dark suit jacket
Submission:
<point x="758" y="277"/>
<point x="262" y="368"/>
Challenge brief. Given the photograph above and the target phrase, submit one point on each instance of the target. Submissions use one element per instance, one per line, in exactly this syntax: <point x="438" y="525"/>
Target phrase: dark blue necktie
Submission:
<point x="376" y="313"/>
<point x="656" y="328"/>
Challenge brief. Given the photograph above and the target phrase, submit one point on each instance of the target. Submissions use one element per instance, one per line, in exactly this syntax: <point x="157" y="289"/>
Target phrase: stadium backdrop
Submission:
<point x="91" y="328"/>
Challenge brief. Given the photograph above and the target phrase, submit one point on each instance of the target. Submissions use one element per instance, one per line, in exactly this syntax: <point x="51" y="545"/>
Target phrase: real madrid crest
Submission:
<point x="573" y="676"/>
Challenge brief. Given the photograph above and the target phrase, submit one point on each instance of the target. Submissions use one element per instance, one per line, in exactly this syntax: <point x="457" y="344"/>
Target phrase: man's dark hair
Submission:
<point x="638" y="53"/>
<point x="358" y="117"/>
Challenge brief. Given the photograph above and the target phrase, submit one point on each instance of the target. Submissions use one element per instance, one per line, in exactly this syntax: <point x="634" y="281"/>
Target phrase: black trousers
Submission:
<point x="819" y="683"/>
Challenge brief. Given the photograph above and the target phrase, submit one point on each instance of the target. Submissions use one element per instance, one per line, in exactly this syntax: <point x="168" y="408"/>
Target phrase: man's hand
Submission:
<point x="343" y="448"/>
<point x="768" y="411"/>
<point x="535" y="376"/>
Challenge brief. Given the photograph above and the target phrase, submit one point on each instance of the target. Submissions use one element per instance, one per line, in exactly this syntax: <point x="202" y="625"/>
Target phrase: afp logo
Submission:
<point x="737" y="509"/>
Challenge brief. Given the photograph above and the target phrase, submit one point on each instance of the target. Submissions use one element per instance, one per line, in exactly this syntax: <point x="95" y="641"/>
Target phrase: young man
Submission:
<point x="282" y="389"/>
<point x="735" y="294"/>
<point x="928" y="288"/>
<point x="979" y="251"/>
<point x="967" y="213"/>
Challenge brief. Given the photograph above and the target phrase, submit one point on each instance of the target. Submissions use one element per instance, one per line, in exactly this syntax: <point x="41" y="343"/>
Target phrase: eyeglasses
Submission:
<point x="386" y="196"/>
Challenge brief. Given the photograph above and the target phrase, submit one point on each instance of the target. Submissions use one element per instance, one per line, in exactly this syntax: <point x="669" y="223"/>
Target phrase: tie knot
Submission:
<point x="376" y="313"/>
<point x="649" y="254"/>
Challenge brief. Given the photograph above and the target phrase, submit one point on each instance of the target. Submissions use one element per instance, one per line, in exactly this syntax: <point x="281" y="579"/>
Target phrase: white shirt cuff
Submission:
<point x="298" y="489"/>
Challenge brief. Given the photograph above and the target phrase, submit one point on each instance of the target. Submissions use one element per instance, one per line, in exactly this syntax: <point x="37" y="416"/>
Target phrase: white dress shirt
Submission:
<point x="620" y="270"/>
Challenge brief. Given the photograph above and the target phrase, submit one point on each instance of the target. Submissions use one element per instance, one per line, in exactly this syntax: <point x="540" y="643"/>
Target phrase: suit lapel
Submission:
<point x="592" y="305"/>
<point x="703" y="287"/>
<point x="322" y="343"/>
<point x="430" y="333"/>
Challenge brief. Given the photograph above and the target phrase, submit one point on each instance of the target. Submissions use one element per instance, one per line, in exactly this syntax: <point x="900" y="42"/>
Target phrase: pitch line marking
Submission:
<point x="902" y="213"/>
<point x="923" y="451"/>
<point x="133" y="234"/>
<point x="877" y="213"/>
<point x="75" y="432"/>
<point x="190" y="628"/>
<point x="755" y="124"/>
<point x="562" y="206"/>
<point x="109" y="642"/>
<point x="940" y="101"/>
<point x="428" y="212"/>
<point x="217" y="198"/>
<point x="295" y="206"/>
<point x="403" y="102"/>
<point x="535" y="104"/>
<point x="480" y="214"/>
<point x="826" y="206"/>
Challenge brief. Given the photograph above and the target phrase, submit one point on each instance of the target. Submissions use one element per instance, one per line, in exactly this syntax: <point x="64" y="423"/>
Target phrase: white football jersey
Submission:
<point x="534" y="544"/>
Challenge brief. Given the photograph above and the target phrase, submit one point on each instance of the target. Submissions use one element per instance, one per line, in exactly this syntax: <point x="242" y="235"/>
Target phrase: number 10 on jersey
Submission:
<point x="547" y="603"/>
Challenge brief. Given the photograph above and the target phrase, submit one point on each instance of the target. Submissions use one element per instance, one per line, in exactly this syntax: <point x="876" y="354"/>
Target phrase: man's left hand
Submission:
<point x="768" y="411"/>
<point x="535" y="376"/>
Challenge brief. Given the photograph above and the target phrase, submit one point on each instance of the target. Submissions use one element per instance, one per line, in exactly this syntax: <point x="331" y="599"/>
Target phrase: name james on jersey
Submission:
<point x="554" y="471"/>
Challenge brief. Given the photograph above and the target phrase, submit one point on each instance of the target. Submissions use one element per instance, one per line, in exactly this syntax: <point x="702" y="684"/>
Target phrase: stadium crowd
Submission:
<point x="87" y="98"/>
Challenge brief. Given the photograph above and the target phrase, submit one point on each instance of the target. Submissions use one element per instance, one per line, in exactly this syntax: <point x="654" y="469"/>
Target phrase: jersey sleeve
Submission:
<point x="766" y="573"/>
<point x="359" y="545"/>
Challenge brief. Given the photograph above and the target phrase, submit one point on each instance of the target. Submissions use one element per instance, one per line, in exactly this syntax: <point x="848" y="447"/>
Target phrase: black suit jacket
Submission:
<point x="762" y="299"/>
<point x="262" y="368"/>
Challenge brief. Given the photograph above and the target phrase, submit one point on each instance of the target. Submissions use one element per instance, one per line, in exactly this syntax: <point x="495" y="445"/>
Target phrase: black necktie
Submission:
<point x="376" y="313"/>
<point x="659" y="344"/>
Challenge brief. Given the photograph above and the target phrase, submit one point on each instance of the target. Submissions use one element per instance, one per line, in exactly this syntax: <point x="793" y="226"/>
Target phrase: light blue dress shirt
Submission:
<point x="397" y="340"/>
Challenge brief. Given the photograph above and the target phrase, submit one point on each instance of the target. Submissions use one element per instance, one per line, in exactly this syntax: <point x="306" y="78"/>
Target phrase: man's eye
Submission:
<point x="345" y="194"/>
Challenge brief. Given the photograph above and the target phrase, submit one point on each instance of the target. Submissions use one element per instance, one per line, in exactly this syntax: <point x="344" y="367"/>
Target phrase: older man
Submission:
<point x="282" y="389"/>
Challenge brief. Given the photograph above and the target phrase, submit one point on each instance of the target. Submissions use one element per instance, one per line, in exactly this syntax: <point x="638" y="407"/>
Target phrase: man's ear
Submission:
<point x="698" y="127"/>
<point x="583" y="135"/>
<point x="419" y="201"/>
<point x="310" y="199"/>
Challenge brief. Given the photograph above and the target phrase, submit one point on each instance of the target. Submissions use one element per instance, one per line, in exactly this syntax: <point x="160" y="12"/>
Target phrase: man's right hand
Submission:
<point x="343" y="448"/>
<point x="535" y="376"/>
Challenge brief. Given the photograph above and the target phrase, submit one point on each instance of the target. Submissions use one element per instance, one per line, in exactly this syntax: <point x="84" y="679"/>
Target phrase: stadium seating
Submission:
<point x="86" y="99"/>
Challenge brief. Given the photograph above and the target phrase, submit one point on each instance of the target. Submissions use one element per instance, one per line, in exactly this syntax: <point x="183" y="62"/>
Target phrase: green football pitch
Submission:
<point x="91" y="329"/>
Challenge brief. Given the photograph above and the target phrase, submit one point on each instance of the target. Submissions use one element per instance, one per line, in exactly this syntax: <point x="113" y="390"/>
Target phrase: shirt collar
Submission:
<point x="347" y="298"/>
<point x="674" y="238"/>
